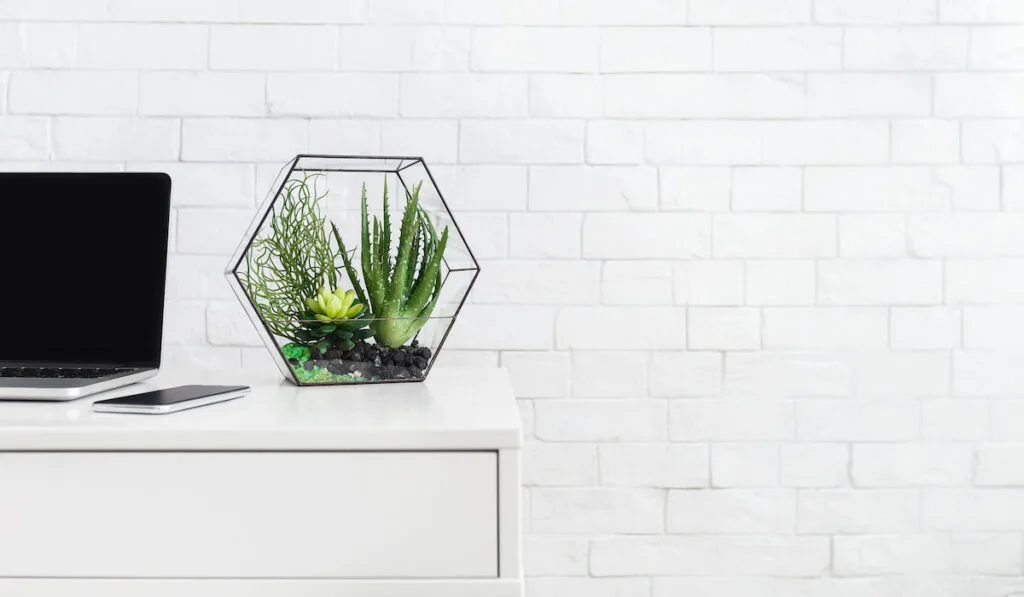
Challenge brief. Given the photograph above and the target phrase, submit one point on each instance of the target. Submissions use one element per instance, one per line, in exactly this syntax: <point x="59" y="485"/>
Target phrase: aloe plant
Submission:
<point x="402" y="291"/>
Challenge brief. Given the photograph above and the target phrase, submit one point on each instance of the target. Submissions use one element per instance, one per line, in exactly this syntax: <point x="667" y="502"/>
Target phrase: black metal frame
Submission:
<point x="402" y="165"/>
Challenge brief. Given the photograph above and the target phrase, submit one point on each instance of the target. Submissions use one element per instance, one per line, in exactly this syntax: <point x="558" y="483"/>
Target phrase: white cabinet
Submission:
<point x="343" y="499"/>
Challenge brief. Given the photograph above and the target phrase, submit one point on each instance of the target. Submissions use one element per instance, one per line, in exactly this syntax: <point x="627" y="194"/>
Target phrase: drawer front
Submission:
<point x="249" y="514"/>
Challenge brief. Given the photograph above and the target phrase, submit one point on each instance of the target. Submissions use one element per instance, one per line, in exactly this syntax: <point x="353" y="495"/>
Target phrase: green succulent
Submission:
<point x="333" y="320"/>
<point x="401" y="292"/>
<point x="334" y="307"/>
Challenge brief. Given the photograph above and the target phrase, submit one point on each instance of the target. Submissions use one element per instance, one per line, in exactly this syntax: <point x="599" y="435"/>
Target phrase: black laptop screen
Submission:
<point x="82" y="267"/>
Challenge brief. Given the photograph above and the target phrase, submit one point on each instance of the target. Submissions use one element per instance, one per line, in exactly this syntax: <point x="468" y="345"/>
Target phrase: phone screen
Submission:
<point x="169" y="396"/>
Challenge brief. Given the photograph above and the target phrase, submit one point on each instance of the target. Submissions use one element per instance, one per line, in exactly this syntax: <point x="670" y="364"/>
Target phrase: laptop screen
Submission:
<point x="83" y="259"/>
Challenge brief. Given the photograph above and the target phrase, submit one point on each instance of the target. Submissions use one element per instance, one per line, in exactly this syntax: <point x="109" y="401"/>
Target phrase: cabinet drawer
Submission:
<point x="249" y="514"/>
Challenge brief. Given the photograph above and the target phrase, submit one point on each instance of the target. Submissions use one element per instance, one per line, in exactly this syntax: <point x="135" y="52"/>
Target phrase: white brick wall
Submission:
<point x="756" y="266"/>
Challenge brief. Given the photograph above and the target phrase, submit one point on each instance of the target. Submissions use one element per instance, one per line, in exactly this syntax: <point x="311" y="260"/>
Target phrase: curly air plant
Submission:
<point x="401" y="292"/>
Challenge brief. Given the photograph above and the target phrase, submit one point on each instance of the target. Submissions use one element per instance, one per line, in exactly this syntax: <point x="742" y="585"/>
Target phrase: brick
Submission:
<point x="238" y="140"/>
<point x="825" y="328"/>
<point x="825" y="142"/>
<point x="869" y="189"/>
<point x="731" y="420"/>
<point x="732" y="511"/>
<point x="777" y="49"/>
<point x="592" y="587"/>
<point x="545" y="236"/>
<point x="579" y="188"/>
<point x="521" y="142"/>
<point x="196" y="11"/>
<point x="116" y="139"/>
<point x="880" y="282"/>
<point x="980" y="95"/>
<point x="153" y="46"/>
<point x="482" y="327"/>
<point x="636" y="283"/>
<point x="967" y="188"/>
<point x="710" y="556"/>
<point x="227" y="325"/>
<point x="841" y="95"/>
<point x="906" y="48"/>
<point x="702" y="142"/>
<point x="993" y="327"/>
<point x="767" y="189"/>
<point x="545" y="282"/>
<point x="911" y="465"/>
<point x="604" y="420"/>
<point x="925" y="141"/>
<point x="695" y="189"/>
<point x="24" y="138"/>
<point x="925" y="328"/>
<point x="861" y="420"/>
<point x="983" y="281"/>
<point x="991" y="553"/>
<point x="601" y="374"/>
<point x="273" y="47"/>
<point x="788" y="374"/>
<point x="998" y="48"/>
<point x="981" y="11"/>
<point x="702" y="282"/>
<point x="723" y="328"/>
<point x="482" y="188"/>
<point x="407" y="11"/>
<point x="778" y="587"/>
<point x="621" y="328"/>
<point x="474" y="359"/>
<point x="954" y="420"/>
<point x="872" y="235"/>
<point x="987" y="374"/>
<point x="516" y="49"/>
<point x="486" y="232"/>
<point x="704" y="95"/>
<point x="999" y="465"/>
<point x="611" y="12"/>
<point x="814" y="465"/>
<point x="559" y="465"/>
<point x="646" y="236"/>
<point x="538" y="374"/>
<point x="842" y="511"/>
<point x="38" y="45"/>
<point x="404" y="48"/>
<point x="196" y="277"/>
<point x="526" y="12"/>
<point x="566" y="96"/>
<point x="873" y="555"/>
<point x="596" y="510"/>
<point x="966" y="235"/>
<point x="749" y="12"/>
<point x="223" y="185"/>
<point x="210" y="231"/>
<point x="785" y="283"/>
<point x="780" y="236"/>
<point x="54" y="10"/>
<point x="875" y="11"/>
<point x="554" y="556"/>
<point x="615" y="142"/>
<point x="1013" y="188"/>
<point x="73" y="92"/>
<point x="992" y="141"/>
<point x="654" y="465"/>
<point x="450" y="95"/>
<point x="184" y="323"/>
<point x="352" y="137"/>
<point x="1006" y="418"/>
<point x="748" y="465"/>
<point x="202" y="94"/>
<point x="685" y="374"/>
<point x="975" y="509"/>
<point x="437" y="141"/>
<point x="662" y="49"/>
<point x="350" y="95"/>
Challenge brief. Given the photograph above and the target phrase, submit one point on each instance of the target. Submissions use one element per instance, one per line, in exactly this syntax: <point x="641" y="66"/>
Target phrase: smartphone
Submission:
<point x="169" y="400"/>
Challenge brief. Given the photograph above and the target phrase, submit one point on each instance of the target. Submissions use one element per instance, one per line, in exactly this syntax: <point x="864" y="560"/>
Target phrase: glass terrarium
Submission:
<point x="353" y="270"/>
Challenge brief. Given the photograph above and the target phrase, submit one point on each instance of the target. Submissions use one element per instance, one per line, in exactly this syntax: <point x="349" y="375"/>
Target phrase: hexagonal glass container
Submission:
<point x="347" y="286"/>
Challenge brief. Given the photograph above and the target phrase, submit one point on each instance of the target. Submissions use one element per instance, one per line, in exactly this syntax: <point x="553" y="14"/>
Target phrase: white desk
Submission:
<point x="394" y="490"/>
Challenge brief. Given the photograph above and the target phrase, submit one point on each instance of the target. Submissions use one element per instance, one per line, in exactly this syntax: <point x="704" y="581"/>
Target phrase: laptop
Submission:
<point x="83" y="260"/>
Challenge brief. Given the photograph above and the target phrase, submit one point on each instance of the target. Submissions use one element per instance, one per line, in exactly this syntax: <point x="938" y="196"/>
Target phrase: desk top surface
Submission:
<point x="455" y="409"/>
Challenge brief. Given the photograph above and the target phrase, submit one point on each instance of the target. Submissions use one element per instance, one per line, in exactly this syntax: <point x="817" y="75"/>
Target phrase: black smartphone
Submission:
<point x="169" y="400"/>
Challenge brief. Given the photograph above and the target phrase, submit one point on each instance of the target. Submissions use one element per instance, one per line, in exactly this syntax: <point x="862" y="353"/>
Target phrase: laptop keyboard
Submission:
<point x="62" y="372"/>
